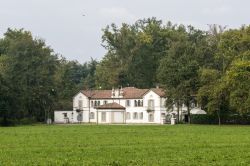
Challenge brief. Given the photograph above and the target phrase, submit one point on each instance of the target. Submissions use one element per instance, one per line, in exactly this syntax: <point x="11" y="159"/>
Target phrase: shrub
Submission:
<point x="204" y="119"/>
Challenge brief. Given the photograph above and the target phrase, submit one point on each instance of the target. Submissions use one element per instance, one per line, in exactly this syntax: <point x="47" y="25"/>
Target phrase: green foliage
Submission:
<point x="238" y="82"/>
<point x="225" y="85"/>
<point x="178" y="70"/>
<point x="226" y="119"/>
<point x="211" y="67"/>
<point x="70" y="78"/>
<point x="34" y="81"/>
<point x="29" y="74"/>
<point x="204" y="119"/>
<point x="134" y="52"/>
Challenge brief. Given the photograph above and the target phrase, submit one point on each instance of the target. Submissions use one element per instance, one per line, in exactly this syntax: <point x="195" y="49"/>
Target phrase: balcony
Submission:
<point x="150" y="109"/>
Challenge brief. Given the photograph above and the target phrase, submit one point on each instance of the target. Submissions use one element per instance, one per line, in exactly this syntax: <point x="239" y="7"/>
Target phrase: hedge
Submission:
<point x="225" y="119"/>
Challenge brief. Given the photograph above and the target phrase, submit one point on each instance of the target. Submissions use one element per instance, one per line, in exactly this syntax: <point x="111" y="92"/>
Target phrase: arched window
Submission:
<point x="135" y="103"/>
<point x="151" y="117"/>
<point x="139" y="103"/>
<point x="141" y="115"/>
<point x="92" y="115"/>
<point x="128" y="116"/>
<point x="80" y="104"/>
<point x="135" y="115"/>
<point x="151" y="104"/>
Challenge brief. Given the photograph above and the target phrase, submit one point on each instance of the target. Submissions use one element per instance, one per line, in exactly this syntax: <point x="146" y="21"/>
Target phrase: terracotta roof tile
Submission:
<point x="133" y="93"/>
<point x="159" y="91"/>
<point x="110" y="106"/>
<point x="97" y="94"/>
<point x="128" y="93"/>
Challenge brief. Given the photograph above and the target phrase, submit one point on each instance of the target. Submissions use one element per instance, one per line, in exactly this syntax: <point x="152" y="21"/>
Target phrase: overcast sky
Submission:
<point x="62" y="24"/>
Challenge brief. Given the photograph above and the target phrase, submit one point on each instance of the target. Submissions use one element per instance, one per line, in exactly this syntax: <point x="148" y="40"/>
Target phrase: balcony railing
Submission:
<point x="150" y="109"/>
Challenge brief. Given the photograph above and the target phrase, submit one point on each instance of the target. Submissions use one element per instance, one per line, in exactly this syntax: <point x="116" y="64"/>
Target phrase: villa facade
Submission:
<point x="123" y="105"/>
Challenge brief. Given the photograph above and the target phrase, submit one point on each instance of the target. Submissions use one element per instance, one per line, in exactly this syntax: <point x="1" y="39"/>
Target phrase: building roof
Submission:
<point x="159" y="91"/>
<point x="113" y="105"/>
<point x="128" y="93"/>
<point x="133" y="93"/>
<point x="97" y="94"/>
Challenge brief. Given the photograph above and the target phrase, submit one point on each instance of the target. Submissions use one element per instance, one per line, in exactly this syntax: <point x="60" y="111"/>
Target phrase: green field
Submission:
<point x="125" y="145"/>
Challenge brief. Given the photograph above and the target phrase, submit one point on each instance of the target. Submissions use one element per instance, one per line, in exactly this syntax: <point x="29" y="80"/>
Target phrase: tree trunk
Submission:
<point x="219" y="119"/>
<point x="178" y="111"/>
<point x="189" y="118"/>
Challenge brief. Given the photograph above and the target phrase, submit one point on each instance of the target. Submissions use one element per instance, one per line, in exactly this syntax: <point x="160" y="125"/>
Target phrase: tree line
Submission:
<point x="210" y="67"/>
<point x="34" y="80"/>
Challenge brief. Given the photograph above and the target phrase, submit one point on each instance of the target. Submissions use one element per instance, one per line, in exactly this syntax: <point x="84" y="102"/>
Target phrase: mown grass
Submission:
<point x="125" y="145"/>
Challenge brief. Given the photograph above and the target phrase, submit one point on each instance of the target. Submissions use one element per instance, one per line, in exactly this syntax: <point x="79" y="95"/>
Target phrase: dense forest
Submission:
<point x="211" y="67"/>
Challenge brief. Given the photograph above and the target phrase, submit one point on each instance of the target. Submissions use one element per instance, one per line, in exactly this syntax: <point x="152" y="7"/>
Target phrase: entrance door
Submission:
<point x="117" y="117"/>
<point x="151" y="117"/>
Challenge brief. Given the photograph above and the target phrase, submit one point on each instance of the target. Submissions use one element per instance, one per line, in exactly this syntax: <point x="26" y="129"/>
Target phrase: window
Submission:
<point x="128" y="115"/>
<point x="151" y="117"/>
<point x="80" y="104"/>
<point x="92" y="115"/>
<point x="95" y="103"/>
<point x="128" y="103"/>
<point x="65" y="115"/>
<point x="105" y="102"/>
<point x="141" y="115"/>
<point x="151" y="104"/>
<point x="92" y="103"/>
<point x="163" y="115"/>
<point x="135" y="115"/>
<point x="79" y="117"/>
<point x="135" y="103"/>
<point x="140" y="103"/>
<point x="99" y="103"/>
<point x="103" y="116"/>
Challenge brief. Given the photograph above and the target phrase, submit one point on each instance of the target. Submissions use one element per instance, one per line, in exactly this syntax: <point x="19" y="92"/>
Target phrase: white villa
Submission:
<point x="123" y="105"/>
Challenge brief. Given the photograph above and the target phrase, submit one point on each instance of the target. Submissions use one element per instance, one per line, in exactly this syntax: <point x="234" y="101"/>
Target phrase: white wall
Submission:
<point x="80" y="96"/>
<point x="158" y="103"/>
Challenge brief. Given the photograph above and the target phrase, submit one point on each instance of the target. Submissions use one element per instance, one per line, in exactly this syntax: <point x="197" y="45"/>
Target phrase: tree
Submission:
<point x="134" y="51"/>
<point x="29" y="74"/>
<point x="238" y="82"/>
<point x="212" y="95"/>
<point x="178" y="72"/>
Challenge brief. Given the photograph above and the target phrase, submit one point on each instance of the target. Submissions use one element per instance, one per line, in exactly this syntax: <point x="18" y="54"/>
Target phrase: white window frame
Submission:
<point x="141" y="115"/>
<point x="128" y="116"/>
<point x="80" y="104"/>
<point x="135" y="115"/>
<point x="92" y="115"/>
<point x="128" y="103"/>
<point x="103" y="117"/>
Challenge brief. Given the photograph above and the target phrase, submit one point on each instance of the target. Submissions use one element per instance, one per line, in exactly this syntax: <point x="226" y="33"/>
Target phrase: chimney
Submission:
<point x="113" y="92"/>
<point x="121" y="92"/>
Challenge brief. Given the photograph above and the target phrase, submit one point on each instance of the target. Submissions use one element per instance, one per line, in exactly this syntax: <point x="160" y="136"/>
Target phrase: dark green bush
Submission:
<point x="204" y="119"/>
<point x="225" y="119"/>
<point x="14" y="122"/>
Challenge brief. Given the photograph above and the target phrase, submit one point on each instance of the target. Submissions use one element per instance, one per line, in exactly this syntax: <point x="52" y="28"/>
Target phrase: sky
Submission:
<point x="64" y="28"/>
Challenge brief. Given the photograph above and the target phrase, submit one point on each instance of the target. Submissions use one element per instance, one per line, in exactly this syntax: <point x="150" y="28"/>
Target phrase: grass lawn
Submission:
<point x="125" y="145"/>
